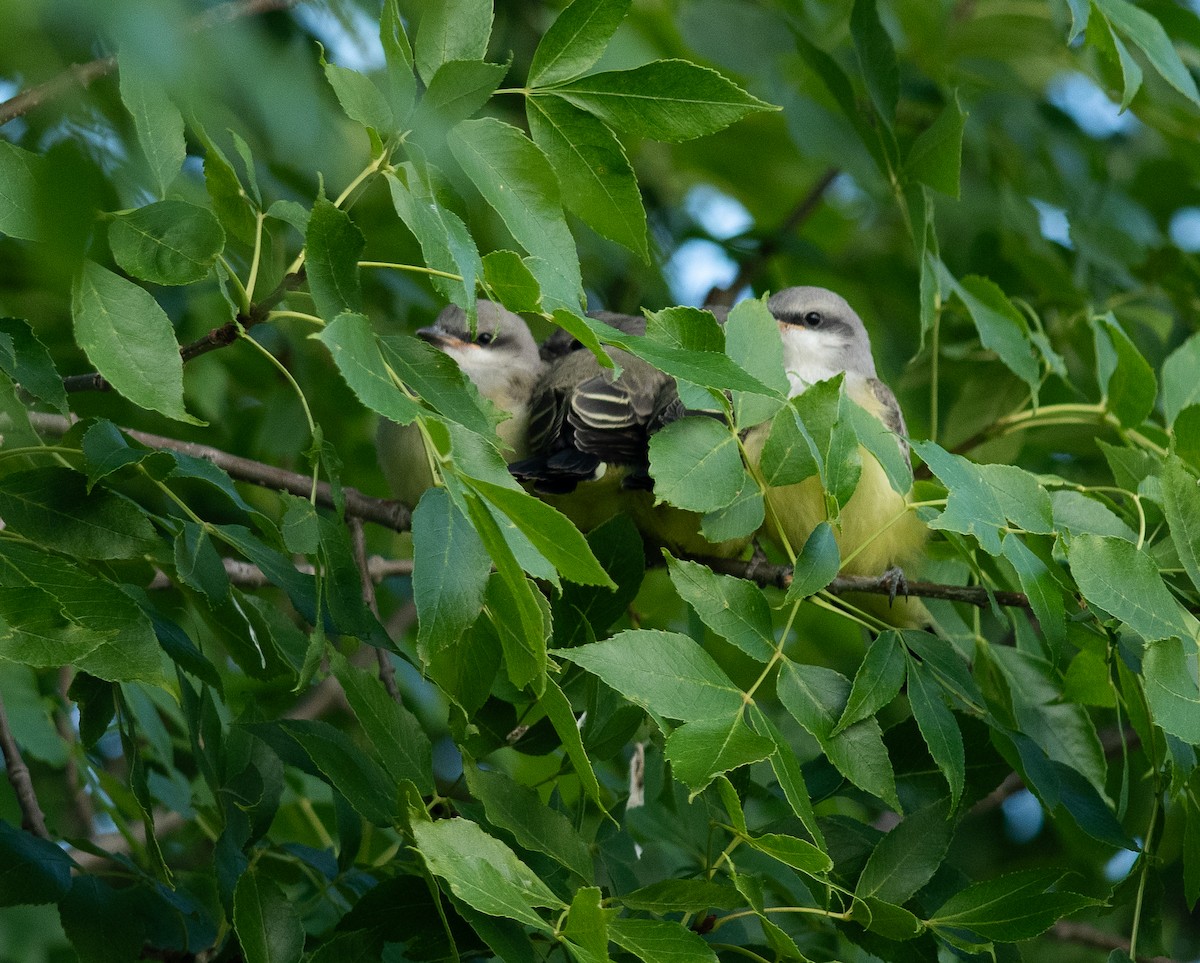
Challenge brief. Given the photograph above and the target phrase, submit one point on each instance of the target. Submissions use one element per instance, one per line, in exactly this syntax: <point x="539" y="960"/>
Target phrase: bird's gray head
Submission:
<point x="501" y="352"/>
<point x="821" y="333"/>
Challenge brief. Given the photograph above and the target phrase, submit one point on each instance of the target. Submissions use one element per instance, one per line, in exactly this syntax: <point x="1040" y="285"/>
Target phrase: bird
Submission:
<point x="822" y="337"/>
<point x="589" y="435"/>
<point x="501" y="358"/>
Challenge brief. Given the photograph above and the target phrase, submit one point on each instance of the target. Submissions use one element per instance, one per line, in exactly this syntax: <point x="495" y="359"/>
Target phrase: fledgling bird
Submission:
<point x="822" y="337"/>
<point x="502" y="360"/>
<point x="589" y="435"/>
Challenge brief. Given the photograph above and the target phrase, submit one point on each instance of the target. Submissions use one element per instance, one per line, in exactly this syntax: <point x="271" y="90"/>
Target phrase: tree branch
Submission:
<point x="382" y="511"/>
<point x="1085" y="935"/>
<point x="220" y="337"/>
<point x="83" y="75"/>
<point x="247" y="575"/>
<point x="753" y="265"/>
<point x="32" y="819"/>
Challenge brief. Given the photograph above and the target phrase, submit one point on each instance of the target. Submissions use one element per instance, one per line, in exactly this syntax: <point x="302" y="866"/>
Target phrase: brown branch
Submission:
<point x="382" y="511"/>
<point x="220" y="337"/>
<point x="248" y="575"/>
<point x="780" y="576"/>
<point x="753" y="265"/>
<point x="83" y="75"/>
<point x="1085" y="935"/>
<point x="387" y="672"/>
<point x="32" y="819"/>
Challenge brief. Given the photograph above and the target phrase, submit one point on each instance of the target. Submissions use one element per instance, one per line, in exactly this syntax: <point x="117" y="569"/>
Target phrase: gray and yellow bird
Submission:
<point x="502" y="360"/>
<point x="823" y="337"/>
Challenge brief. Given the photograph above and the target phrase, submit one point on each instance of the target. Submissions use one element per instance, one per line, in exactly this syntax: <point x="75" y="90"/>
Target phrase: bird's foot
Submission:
<point x="895" y="581"/>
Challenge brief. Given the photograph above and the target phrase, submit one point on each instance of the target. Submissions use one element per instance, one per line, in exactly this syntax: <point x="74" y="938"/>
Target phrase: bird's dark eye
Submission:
<point x="484" y="338"/>
<point x="813" y="319"/>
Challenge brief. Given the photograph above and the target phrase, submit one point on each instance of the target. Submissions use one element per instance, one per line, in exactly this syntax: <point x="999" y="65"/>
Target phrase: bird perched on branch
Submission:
<point x="876" y="533"/>
<point x="501" y="359"/>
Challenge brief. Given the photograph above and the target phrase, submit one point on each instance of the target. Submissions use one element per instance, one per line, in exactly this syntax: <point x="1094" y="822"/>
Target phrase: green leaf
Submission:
<point x="575" y="40"/>
<point x="1181" y="504"/>
<point x="935" y="157"/>
<point x="816" y="697"/>
<point x="738" y="520"/>
<point x="876" y="59"/>
<point x="938" y="728"/>
<point x="660" y="941"/>
<point x="440" y="382"/>
<point x="1145" y="32"/>
<point x="1043" y="590"/>
<point x="549" y="530"/>
<point x="515" y="178"/>
<point x="586" y="930"/>
<point x="886" y="919"/>
<point x="908" y="856"/>
<point x="696" y="464"/>
<point x="32" y="870"/>
<point x="157" y="121"/>
<point x="701" y="750"/>
<point x="198" y="564"/>
<point x="816" y="566"/>
<point x="984" y="499"/>
<point x="1002" y="328"/>
<point x="1170" y="670"/>
<point x="596" y="178"/>
<point x="361" y="99"/>
<point x="797" y="853"/>
<point x="31" y="365"/>
<point x="331" y="755"/>
<point x="1123" y="581"/>
<point x="394" y="732"/>
<point x="664" y="672"/>
<point x="352" y="344"/>
<point x="450" y="572"/>
<point x="668" y="100"/>
<point x="1126" y="379"/>
<point x="443" y="237"/>
<point x="519" y="810"/>
<point x="267" y="923"/>
<point x="457" y="90"/>
<point x="1180" y="386"/>
<point x="787" y="771"/>
<point x="19" y="170"/>
<point x="130" y="340"/>
<point x="104" y="925"/>
<point x="1079" y="17"/>
<point x="732" y="607"/>
<point x="230" y="201"/>
<point x="509" y="281"/>
<point x="167" y="242"/>
<point x="682" y="896"/>
<point x="558" y="710"/>
<point x="1015" y="907"/>
<point x="333" y="245"/>
<point x="483" y="872"/>
<point x="401" y="84"/>
<point x="752" y="342"/>
<point x="876" y="683"/>
<point x="453" y="30"/>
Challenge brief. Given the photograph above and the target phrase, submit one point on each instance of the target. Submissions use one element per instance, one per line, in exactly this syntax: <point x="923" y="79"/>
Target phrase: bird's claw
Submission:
<point x="895" y="581"/>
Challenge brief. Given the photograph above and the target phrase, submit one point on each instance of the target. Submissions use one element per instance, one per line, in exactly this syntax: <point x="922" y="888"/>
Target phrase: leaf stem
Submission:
<point x="273" y="315"/>
<point x="415" y="268"/>
<point x="1145" y="860"/>
<point x="256" y="259"/>
<point x="812" y="910"/>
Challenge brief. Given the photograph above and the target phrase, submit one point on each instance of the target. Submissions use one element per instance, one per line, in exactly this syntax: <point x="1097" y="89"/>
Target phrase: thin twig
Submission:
<point x="250" y="576"/>
<point x="32" y="819"/>
<point x="387" y="672"/>
<point x="83" y="75"/>
<point x="381" y="511"/>
<point x="780" y="576"/>
<point x="220" y="337"/>
<point x="80" y="800"/>
<point x="1085" y="935"/>
<point x="753" y="265"/>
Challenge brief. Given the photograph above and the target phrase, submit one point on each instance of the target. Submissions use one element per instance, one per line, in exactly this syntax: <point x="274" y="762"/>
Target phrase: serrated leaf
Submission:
<point x="30" y="365"/>
<point x="32" y="870"/>
<point x="458" y="89"/>
<point x="515" y="178"/>
<point x="1126" y="379"/>
<point x="452" y="30"/>
<point x="157" y="121"/>
<point x="1014" y="907"/>
<point x="876" y="59"/>
<point x="483" y="872"/>
<point x="598" y="183"/>
<point x="735" y="609"/>
<point x="1145" y="31"/>
<point x="682" y="896"/>
<point x="1043" y="591"/>
<point x="440" y="382"/>
<point x="938" y="728"/>
<point x="816" y="566"/>
<point x="167" y="242"/>
<point x="1002" y="328"/>
<point x="558" y="710"/>
<point x="908" y="856"/>
<point x="877" y="681"/>
<point x="509" y="281"/>
<point x="797" y="853"/>
<point x="660" y="941"/>
<point x="198" y="564"/>
<point x="401" y="83"/>
<point x="130" y="340"/>
<point x="668" y="100"/>
<point x="267" y="923"/>
<point x="1170" y="670"/>
<point x="816" y="697"/>
<point x="1181" y="504"/>
<point x="361" y="99"/>
<point x="935" y="157"/>
<point x="696" y="464"/>
<point x="664" y="672"/>
<point x="787" y="771"/>
<point x="575" y="40"/>
<point x="752" y="342"/>
<point x="333" y="245"/>
<point x="1180" y="386"/>
<point x="19" y="170"/>
<point x="352" y="344"/>
<point x="701" y="750"/>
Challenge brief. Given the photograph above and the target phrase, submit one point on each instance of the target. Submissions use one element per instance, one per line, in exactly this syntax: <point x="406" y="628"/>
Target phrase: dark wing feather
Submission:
<point x="893" y="417"/>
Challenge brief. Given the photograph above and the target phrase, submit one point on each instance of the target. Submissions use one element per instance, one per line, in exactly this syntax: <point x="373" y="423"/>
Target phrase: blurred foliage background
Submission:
<point x="1071" y="205"/>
